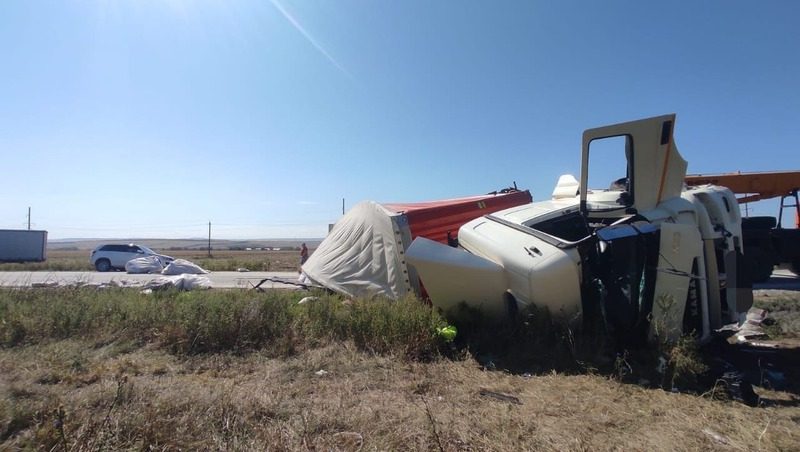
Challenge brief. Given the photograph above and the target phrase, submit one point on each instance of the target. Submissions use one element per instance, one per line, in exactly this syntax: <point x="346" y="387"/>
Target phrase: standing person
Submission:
<point x="303" y="254"/>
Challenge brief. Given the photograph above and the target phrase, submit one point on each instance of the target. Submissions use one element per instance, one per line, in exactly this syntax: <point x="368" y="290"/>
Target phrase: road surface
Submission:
<point x="243" y="280"/>
<point x="780" y="280"/>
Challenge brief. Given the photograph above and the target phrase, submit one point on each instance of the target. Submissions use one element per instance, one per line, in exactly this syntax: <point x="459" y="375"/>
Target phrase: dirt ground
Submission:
<point x="79" y="395"/>
<point x="107" y="397"/>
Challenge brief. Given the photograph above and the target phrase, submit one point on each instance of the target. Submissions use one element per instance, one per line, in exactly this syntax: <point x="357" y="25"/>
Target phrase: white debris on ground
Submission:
<point x="154" y="264"/>
<point x="180" y="282"/>
<point x="146" y="264"/>
<point x="307" y="299"/>
<point x="182" y="267"/>
<point x="751" y="328"/>
<point x="81" y="284"/>
<point x="180" y="273"/>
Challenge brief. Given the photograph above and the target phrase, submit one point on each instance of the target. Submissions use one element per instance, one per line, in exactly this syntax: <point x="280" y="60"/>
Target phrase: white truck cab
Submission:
<point x="648" y="257"/>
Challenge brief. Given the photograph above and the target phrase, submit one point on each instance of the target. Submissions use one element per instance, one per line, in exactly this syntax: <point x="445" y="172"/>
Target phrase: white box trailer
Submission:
<point x="17" y="245"/>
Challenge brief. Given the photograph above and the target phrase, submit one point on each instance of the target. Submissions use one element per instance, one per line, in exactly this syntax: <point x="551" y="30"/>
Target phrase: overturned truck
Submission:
<point x="645" y="256"/>
<point x="364" y="253"/>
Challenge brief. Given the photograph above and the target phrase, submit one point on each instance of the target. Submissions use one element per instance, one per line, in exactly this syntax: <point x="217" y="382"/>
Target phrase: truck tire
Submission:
<point x="102" y="265"/>
<point x="761" y="265"/>
<point x="759" y="222"/>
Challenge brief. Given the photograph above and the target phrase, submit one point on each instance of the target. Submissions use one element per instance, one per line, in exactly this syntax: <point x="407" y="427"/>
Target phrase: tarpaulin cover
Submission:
<point x="362" y="255"/>
<point x="180" y="282"/>
<point x="182" y="266"/>
<point x="146" y="264"/>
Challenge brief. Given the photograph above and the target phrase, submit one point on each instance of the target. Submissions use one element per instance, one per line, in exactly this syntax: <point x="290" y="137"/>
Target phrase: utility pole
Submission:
<point x="209" y="239"/>
<point x="29" y="218"/>
<point x="342" y="206"/>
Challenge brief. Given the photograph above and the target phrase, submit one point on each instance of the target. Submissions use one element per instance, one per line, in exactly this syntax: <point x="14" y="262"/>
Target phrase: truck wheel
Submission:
<point x="102" y="265"/>
<point x="761" y="265"/>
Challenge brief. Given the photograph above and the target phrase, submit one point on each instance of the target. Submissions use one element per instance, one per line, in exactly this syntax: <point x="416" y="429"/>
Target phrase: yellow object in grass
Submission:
<point x="448" y="333"/>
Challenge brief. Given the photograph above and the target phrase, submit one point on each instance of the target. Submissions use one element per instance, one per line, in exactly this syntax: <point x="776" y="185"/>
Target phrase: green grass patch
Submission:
<point x="217" y="321"/>
<point x="51" y="265"/>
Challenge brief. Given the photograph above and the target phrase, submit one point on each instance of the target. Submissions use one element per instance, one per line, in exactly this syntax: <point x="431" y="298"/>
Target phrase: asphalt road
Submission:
<point x="780" y="280"/>
<point x="243" y="280"/>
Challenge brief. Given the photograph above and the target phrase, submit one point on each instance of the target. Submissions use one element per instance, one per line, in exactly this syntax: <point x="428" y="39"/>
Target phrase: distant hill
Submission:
<point x="183" y="244"/>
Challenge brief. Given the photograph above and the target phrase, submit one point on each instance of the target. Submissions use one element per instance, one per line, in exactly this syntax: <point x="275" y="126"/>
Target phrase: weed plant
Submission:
<point x="533" y="342"/>
<point x="52" y="265"/>
<point x="217" y="321"/>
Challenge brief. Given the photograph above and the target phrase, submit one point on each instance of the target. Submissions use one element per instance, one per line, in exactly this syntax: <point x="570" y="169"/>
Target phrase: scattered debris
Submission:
<point x="155" y="264"/>
<point x="85" y="284"/>
<point x="180" y="282"/>
<point x="764" y="345"/>
<point x="447" y="333"/>
<point x="716" y="437"/>
<point x="750" y="329"/>
<point x="181" y="267"/>
<point x="293" y="282"/>
<point x="45" y="284"/>
<point x="305" y="300"/>
<point x="145" y="264"/>
<point x="500" y="396"/>
<point x="321" y="373"/>
<point x="739" y="388"/>
<point x="242" y="270"/>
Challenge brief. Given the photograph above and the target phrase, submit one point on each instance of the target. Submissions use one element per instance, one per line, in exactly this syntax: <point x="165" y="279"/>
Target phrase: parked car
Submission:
<point x="113" y="256"/>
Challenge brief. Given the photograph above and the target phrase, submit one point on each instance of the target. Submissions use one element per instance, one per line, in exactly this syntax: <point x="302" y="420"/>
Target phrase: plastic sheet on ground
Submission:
<point x="181" y="267"/>
<point x="146" y="264"/>
<point x="180" y="282"/>
<point x="752" y="326"/>
<point x="750" y="329"/>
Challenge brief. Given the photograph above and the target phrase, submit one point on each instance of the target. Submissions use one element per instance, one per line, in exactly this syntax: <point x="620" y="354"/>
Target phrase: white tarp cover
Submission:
<point x="363" y="255"/>
<point x="182" y="266"/>
<point x="180" y="282"/>
<point x="146" y="264"/>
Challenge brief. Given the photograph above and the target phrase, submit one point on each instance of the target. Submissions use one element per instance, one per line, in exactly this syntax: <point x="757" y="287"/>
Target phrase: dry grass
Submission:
<point x="784" y="313"/>
<point x="76" y="395"/>
<point x="118" y="375"/>
<point x="230" y="260"/>
<point x="221" y="260"/>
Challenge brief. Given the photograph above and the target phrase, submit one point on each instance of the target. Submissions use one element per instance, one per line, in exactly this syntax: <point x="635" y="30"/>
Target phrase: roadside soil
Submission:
<point x="117" y="396"/>
<point x="81" y="395"/>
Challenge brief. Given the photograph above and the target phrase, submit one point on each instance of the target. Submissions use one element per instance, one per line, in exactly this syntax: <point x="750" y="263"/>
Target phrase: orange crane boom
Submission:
<point x="756" y="186"/>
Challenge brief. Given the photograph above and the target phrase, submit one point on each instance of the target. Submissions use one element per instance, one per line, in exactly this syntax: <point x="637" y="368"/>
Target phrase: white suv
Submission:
<point x="110" y="257"/>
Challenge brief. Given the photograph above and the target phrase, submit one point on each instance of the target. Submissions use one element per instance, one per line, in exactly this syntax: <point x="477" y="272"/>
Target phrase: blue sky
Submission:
<point x="151" y="118"/>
